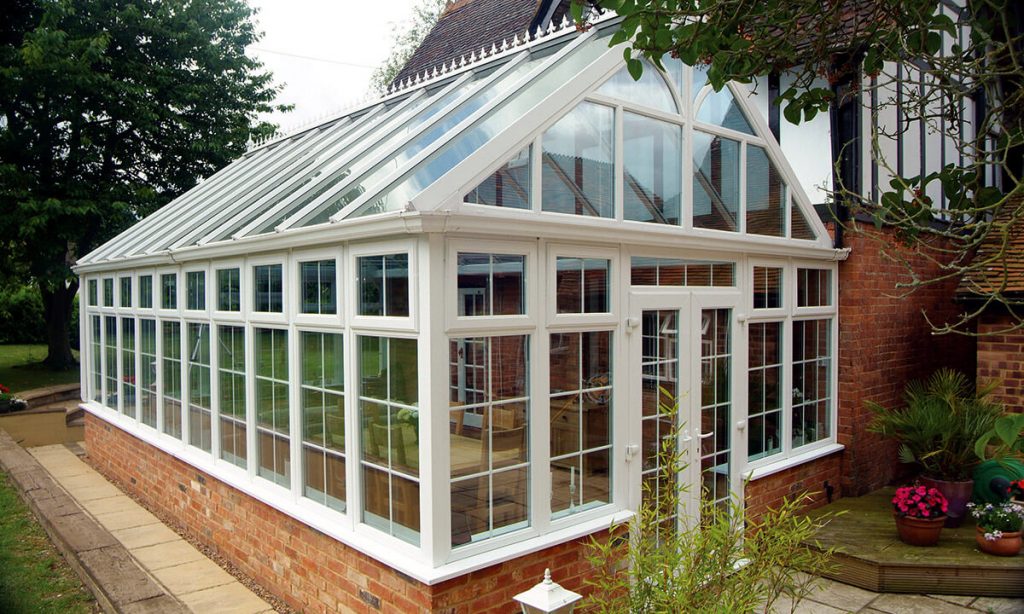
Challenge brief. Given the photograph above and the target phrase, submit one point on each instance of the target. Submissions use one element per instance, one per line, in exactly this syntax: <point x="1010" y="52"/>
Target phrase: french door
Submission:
<point x="683" y="387"/>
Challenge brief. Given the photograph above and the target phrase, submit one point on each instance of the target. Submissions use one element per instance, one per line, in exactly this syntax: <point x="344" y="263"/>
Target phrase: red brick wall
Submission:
<point x="1001" y="358"/>
<point x="884" y="341"/>
<point x="307" y="569"/>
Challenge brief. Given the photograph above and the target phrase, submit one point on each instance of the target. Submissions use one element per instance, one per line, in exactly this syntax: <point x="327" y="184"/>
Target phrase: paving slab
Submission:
<point x="145" y="535"/>
<point x="964" y="600"/>
<point x="131" y="583"/>
<point x="167" y="554"/>
<point x="133" y="516"/>
<point x="117" y="503"/>
<point x="227" y="599"/>
<point x="999" y="605"/>
<point x="194" y="576"/>
<point x="842" y="596"/>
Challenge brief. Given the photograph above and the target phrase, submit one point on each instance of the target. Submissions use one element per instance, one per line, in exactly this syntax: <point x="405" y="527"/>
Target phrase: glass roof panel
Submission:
<point x="357" y="187"/>
<point x="766" y="195"/>
<point x="799" y="227"/>
<point x="197" y="209"/>
<point x="462" y="144"/>
<point x="329" y="166"/>
<point x="650" y="91"/>
<point x="720" y="109"/>
<point x="229" y="201"/>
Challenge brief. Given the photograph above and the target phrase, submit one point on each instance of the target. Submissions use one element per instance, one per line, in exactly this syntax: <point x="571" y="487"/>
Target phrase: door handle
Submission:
<point x="705" y="435"/>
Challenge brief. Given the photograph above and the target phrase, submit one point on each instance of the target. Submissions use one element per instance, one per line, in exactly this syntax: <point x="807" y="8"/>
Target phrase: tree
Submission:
<point x="406" y="38"/>
<point x="838" y="49"/>
<point x="108" y="110"/>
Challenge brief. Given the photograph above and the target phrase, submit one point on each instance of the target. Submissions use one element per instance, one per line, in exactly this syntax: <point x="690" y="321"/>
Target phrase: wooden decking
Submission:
<point x="872" y="557"/>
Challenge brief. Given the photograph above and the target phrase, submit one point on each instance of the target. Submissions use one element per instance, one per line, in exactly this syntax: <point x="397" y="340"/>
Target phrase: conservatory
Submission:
<point x="453" y="326"/>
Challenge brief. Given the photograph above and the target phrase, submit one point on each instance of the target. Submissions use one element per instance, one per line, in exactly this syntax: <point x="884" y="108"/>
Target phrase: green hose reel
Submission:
<point x="993" y="477"/>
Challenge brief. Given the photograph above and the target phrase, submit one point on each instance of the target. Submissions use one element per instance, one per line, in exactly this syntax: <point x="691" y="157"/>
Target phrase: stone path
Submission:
<point x="175" y="566"/>
<point x="834" y="597"/>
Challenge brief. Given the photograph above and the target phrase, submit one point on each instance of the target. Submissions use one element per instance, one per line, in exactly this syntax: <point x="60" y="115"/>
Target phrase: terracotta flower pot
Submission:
<point x="958" y="494"/>
<point x="919" y="531"/>
<point x="1007" y="545"/>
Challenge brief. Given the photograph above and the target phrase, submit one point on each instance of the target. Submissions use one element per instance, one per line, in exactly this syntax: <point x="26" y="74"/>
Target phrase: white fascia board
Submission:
<point x="453" y="184"/>
<point x="505" y="223"/>
<point x="169" y="209"/>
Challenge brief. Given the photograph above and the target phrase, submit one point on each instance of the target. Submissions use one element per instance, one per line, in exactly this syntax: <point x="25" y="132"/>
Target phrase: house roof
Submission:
<point x="1001" y="254"/>
<point x="466" y="25"/>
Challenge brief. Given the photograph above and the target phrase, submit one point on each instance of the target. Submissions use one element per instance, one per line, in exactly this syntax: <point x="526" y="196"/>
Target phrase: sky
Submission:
<point x="324" y="51"/>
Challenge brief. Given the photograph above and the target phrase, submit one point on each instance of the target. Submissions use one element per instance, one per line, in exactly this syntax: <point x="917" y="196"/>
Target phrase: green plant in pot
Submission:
<point x="1004" y="440"/>
<point x="937" y="429"/>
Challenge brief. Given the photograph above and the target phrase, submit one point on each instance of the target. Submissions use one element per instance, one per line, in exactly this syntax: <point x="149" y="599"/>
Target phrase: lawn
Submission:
<point x="34" y="578"/>
<point x="20" y="368"/>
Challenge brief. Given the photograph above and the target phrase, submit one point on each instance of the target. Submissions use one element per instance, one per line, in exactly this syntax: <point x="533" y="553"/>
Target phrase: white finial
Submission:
<point x="504" y="44"/>
<point x="434" y="73"/>
<point x="494" y="48"/>
<point x="472" y="56"/>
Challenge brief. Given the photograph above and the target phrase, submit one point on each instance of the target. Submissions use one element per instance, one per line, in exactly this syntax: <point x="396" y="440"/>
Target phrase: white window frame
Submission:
<point x="337" y="319"/>
<point x="469" y="325"/>
<point x="213" y="286"/>
<point x="137" y="291"/>
<point x="249" y="297"/>
<point x="586" y="321"/>
<point x="158" y="292"/>
<point x="205" y="311"/>
<point x="382" y="325"/>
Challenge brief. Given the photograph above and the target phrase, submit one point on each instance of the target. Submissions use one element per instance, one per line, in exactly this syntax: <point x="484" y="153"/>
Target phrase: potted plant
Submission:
<point x="999" y="527"/>
<point x="1015" y="492"/>
<point x="8" y="402"/>
<point x="920" y="514"/>
<point x="1004" y="440"/>
<point x="937" y="429"/>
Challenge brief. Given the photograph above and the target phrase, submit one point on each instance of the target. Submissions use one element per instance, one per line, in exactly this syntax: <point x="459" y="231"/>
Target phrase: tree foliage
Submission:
<point x="108" y="110"/>
<point x="406" y="38"/>
<point x="719" y="564"/>
<point x="838" y="49"/>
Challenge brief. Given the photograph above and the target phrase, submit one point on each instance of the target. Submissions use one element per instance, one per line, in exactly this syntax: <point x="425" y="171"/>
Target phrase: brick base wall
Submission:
<point x="1001" y="358"/>
<point x="310" y="571"/>
<point x="769" y="491"/>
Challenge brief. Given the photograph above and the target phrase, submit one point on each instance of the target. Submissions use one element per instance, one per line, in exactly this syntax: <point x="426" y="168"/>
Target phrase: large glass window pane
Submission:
<point x="489" y="400"/>
<point x="389" y="432"/>
<point x="813" y="287"/>
<point x="764" y="397"/>
<point x="508" y="186"/>
<point x="581" y="416"/>
<point x="812" y="381"/>
<point x="659" y="410"/>
<point x="721" y="109"/>
<point x="652" y="159"/>
<point x="229" y="290"/>
<point x="169" y="291"/>
<point x="799" y="227"/>
<point x="716" y="182"/>
<point x="128" y="365"/>
<point x="200" y="433"/>
<point x="96" y="349"/>
<point x="147" y="372"/>
<point x="766" y="195"/>
<point x="126" y="291"/>
<point x="267" y="291"/>
<point x="270" y="347"/>
<point x="231" y="381"/>
<point x="110" y="359"/>
<point x="323" y="419"/>
<point x="171" y="365"/>
<point x="767" y="287"/>
<point x="93" y="293"/>
<point x="384" y="285"/>
<point x="108" y="292"/>
<point x="195" y="290"/>
<point x="146" y="291"/>
<point x="491" y="284"/>
<point x="578" y="163"/>
<point x="582" y="285"/>
<point x="319" y="283"/>
<point x="649" y="91"/>
<point x="716" y="405"/>
<point x="679" y="272"/>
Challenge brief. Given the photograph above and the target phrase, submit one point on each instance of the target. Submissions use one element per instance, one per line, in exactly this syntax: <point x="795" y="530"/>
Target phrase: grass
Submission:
<point x="21" y="368"/>
<point x="35" y="578"/>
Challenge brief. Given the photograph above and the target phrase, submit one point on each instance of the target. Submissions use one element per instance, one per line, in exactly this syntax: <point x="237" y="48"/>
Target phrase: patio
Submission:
<point x="872" y="557"/>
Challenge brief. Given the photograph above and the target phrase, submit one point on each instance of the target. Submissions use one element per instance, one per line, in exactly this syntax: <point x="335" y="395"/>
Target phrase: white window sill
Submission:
<point x="792" y="461"/>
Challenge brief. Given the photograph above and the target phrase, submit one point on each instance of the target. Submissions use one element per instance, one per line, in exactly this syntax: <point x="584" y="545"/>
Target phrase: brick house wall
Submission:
<point x="310" y="571"/>
<point x="1001" y="357"/>
<point x="884" y="342"/>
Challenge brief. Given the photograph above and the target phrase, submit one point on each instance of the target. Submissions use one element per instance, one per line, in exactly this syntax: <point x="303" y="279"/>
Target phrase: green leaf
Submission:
<point x="635" y="68"/>
<point x="792" y="112"/>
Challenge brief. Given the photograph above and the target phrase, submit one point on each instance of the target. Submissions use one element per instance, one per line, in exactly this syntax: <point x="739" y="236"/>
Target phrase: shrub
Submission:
<point x="21" y="315"/>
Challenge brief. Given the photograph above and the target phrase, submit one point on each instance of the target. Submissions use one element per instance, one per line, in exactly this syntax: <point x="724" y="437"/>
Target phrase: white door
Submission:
<point x="682" y="383"/>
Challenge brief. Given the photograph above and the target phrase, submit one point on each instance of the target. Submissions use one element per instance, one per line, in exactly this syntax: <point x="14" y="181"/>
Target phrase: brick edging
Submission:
<point x="104" y="565"/>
